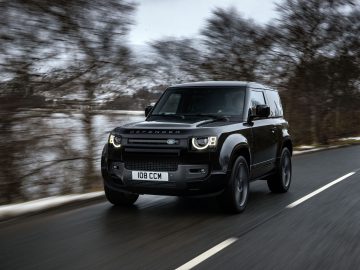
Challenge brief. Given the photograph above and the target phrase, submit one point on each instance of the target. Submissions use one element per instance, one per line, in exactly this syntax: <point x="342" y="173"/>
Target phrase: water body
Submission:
<point x="46" y="153"/>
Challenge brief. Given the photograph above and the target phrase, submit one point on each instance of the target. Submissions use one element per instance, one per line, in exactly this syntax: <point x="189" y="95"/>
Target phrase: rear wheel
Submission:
<point x="120" y="198"/>
<point x="235" y="196"/>
<point x="281" y="180"/>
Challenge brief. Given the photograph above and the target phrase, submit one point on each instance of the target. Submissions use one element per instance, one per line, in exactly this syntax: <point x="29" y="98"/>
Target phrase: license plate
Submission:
<point x="150" y="176"/>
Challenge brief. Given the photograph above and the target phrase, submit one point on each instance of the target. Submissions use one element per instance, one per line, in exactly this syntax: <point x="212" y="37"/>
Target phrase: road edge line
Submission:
<point x="31" y="207"/>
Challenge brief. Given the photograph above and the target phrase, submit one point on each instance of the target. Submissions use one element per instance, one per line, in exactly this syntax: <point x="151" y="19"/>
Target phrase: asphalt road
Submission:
<point x="322" y="232"/>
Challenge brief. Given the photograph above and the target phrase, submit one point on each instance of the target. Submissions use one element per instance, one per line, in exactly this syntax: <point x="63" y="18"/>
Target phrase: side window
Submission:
<point x="274" y="103"/>
<point x="256" y="98"/>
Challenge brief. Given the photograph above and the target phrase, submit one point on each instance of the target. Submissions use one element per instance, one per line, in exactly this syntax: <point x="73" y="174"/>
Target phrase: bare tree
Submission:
<point x="230" y="48"/>
<point x="84" y="41"/>
<point x="309" y="50"/>
<point x="233" y="46"/>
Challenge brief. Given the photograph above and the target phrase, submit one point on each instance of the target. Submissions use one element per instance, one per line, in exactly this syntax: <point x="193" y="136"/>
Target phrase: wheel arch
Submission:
<point x="287" y="142"/>
<point x="240" y="151"/>
<point x="233" y="146"/>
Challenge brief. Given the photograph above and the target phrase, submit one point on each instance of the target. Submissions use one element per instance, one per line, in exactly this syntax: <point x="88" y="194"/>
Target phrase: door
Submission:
<point x="264" y="138"/>
<point x="276" y="114"/>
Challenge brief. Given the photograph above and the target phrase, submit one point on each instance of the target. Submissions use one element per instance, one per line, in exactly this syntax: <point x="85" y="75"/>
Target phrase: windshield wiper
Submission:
<point x="169" y="115"/>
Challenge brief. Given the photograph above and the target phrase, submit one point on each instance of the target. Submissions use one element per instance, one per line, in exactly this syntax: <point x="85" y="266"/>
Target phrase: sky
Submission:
<point x="183" y="18"/>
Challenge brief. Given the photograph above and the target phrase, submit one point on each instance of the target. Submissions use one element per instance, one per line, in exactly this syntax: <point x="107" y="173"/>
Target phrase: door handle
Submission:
<point x="273" y="129"/>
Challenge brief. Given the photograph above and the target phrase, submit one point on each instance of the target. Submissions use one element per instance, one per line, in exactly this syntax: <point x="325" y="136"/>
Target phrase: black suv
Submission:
<point x="204" y="138"/>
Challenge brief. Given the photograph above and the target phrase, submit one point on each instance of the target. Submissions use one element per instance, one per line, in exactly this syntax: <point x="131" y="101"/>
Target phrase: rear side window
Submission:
<point x="256" y="98"/>
<point x="274" y="102"/>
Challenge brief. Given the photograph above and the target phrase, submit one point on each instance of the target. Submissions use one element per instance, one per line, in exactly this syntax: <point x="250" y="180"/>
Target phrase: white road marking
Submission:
<point x="212" y="251"/>
<point x="13" y="210"/>
<point x="207" y="254"/>
<point x="312" y="194"/>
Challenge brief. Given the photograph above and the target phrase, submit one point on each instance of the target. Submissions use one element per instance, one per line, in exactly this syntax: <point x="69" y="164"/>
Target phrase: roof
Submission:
<point x="220" y="83"/>
<point x="212" y="83"/>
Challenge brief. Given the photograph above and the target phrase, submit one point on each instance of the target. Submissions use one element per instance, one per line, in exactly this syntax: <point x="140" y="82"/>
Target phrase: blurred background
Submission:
<point x="71" y="70"/>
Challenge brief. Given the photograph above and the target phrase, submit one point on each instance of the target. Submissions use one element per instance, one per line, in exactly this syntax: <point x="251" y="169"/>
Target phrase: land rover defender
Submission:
<point x="204" y="138"/>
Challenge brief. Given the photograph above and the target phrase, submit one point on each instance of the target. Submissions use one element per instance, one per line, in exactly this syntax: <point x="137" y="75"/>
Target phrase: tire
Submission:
<point x="281" y="180"/>
<point x="120" y="198"/>
<point x="235" y="196"/>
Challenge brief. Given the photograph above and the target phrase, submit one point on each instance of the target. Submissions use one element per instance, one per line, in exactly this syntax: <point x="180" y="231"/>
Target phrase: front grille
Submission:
<point x="154" y="141"/>
<point x="152" y="164"/>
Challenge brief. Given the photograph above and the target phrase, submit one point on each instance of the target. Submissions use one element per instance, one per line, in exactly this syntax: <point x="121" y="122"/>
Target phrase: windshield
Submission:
<point x="202" y="101"/>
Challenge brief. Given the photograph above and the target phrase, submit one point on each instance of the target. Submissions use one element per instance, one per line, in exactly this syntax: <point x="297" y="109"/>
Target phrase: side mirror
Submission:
<point x="148" y="110"/>
<point x="262" y="111"/>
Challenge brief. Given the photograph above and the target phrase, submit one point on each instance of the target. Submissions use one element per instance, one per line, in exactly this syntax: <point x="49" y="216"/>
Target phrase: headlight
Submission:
<point x="202" y="143"/>
<point x="115" y="141"/>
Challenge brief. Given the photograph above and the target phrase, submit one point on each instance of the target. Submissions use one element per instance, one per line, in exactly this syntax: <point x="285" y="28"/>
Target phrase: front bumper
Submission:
<point x="187" y="180"/>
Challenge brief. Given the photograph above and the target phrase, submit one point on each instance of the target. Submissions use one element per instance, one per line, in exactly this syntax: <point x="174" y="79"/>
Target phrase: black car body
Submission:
<point x="192" y="138"/>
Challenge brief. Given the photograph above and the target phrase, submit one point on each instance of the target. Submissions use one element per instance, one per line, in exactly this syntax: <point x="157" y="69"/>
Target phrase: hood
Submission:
<point x="188" y="123"/>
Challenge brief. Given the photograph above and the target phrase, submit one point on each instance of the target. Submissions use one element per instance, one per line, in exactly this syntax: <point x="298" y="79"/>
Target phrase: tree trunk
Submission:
<point x="313" y="124"/>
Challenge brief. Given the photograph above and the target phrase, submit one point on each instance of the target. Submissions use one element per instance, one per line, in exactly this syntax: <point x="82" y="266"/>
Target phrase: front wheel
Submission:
<point x="281" y="180"/>
<point x="235" y="196"/>
<point x="120" y="198"/>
